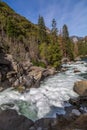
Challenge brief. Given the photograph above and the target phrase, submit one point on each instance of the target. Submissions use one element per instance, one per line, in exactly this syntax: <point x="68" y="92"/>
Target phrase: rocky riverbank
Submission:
<point x="21" y="76"/>
<point x="9" y="119"/>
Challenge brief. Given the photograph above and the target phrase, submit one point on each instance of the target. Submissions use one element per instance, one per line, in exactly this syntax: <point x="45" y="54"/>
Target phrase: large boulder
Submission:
<point x="40" y="73"/>
<point x="36" y="72"/>
<point x="80" y="88"/>
<point x="10" y="120"/>
<point x="24" y="82"/>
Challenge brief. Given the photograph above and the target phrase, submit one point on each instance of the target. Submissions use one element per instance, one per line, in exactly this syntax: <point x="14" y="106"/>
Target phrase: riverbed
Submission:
<point x="50" y="98"/>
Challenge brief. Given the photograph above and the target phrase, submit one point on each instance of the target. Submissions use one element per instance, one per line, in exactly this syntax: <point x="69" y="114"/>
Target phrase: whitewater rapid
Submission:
<point x="50" y="98"/>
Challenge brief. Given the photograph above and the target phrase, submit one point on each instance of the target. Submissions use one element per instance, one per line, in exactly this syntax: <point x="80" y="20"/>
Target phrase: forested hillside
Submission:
<point x="25" y="40"/>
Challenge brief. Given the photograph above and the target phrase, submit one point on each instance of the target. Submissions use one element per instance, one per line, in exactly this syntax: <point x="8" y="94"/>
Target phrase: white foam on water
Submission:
<point x="51" y="93"/>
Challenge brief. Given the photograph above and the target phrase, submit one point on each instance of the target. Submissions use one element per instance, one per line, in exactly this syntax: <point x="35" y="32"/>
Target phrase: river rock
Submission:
<point x="74" y="102"/>
<point x="76" y="112"/>
<point x="48" y="72"/>
<point x="10" y="120"/>
<point x="64" y="69"/>
<point x="45" y="123"/>
<point x="1" y="89"/>
<point x="79" y="101"/>
<point x="80" y="87"/>
<point x="76" y="70"/>
<point x="65" y="60"/>
<point x="24" y="82"/>
<point x="77" y="59"/>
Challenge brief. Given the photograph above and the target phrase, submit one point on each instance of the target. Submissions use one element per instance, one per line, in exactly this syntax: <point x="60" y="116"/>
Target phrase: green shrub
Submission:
<point x="39" y="63"/>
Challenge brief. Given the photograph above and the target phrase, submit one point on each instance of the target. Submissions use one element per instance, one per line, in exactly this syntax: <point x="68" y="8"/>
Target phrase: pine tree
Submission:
<point x="41" y="23"/>
<point x="65" y="32"/>
<point x="67" y="44"/>
<point x="42" y="29"/>
<point x="54" y="29"/>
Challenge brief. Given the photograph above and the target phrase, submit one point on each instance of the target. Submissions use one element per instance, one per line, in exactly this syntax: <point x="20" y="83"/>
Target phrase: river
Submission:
<point x="50" y="98"/>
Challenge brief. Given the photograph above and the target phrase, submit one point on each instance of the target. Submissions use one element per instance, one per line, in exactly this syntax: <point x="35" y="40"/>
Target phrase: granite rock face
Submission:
<point x="23" y="75"/>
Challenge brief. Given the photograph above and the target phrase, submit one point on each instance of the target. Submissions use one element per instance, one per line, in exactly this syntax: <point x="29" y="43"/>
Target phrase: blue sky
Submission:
<point x="70" y="12"/>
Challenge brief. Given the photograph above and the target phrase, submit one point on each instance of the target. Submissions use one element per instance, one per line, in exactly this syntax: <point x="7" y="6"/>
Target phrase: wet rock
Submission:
<point x="45" y="124"/>
<point x="48" y="72"/>
<point x="52" y="71"/>
<point x="40" y="73"/>
<point x="76" y="70"/>
<point x="80" y="88"/>
<point x="76" y="112"/>
<point x="79" y="101"/>
<point x="74" y="102"/>
<point x="71" y="111"/>
<point x="20" y="89"/>
<point x="79" y="105"/>
<point x="77" y="59"/>
<point x="9" y="119"/>
<point x="64" y="69"/>
<point x="65" y="60"/>
<point x="24" y="81"/>
<point x="1" y="89"/>
<point x="7" y="106"/>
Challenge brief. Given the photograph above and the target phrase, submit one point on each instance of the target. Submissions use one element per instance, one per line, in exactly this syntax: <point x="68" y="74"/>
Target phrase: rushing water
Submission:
<point x="50" y="98"/>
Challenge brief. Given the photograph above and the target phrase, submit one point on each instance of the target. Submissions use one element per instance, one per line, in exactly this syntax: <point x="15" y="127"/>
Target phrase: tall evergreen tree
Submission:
<point x="67" y="44"/>
<point x="41" y="23"/>
<point x="42" y="29"/>
<point x="65" y="32"/>
<point x="54" y="29"/>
